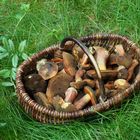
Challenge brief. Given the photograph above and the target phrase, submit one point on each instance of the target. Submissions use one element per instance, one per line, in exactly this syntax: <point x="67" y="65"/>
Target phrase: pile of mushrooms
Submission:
<point x="68" y="82"/>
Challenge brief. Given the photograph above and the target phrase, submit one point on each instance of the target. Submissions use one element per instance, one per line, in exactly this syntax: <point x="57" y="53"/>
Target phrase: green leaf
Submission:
<point x="15" y="60"/>
<point x="2" y="124"/>
<point x="22" y="46"/>
<point x="5" y="73"/>
<point x="11" y="44"/>
<point x="3" y="55"/>
<point x="7" y="84"/>
<point x="2" y="49"/>
<point x="13" y="73"/>
<point x="4" y="41"/>
<point x="24" y="56"/>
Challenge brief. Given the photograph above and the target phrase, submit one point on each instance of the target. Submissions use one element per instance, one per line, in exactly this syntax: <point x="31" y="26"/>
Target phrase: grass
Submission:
<point x="43" y="23"/>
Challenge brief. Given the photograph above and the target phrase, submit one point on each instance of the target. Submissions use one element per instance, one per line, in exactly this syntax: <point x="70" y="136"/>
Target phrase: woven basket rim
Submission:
<point x="30" y="103"/>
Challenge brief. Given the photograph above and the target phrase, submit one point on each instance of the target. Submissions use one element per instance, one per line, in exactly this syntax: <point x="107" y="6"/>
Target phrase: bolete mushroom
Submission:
<point x="79" y="74"/>
<point x="77" y="52"/>
<point x="35" y="83"/>
<point x="84" y="60"/>
<point x="79" y="83"/>
<point x="90" y="96"/>
<point x="120" y="59"/>
<point x="47" y="69"/>
<point x="41" y="99"/>
<point x="58" y="85"/>
<point x="132" y="68"/>
<point x="70" y="65"/>
<point x="60" y="105"/>
<point x="101" y="57"/>
<point x="122" y="72"/>
<point x="106" y="74"/>
<point x="70" y="94"/>
<point x="119" y="49"/>
<point x="121" y="84"/>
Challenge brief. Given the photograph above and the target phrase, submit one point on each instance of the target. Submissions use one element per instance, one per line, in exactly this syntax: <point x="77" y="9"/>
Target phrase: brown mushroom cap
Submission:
<point x="58" y="85"/>
<point x="70" y="65"/>
<point x="47" y="69"/>
<point x="40" y="63"/>
<point x="35" y="83"/>
<point x="88" y="90"/>
<point x="125" y="60"/>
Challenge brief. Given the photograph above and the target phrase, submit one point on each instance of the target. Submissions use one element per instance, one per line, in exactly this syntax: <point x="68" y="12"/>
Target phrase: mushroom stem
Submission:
<point x="82" y="102"/>
<point x="120" y="50"/>
<point x="111" y="74"/>
<point x="131" y="69"/>
<point x="79" y="74"/>
<point x="122" y="72"/>
<point x="90" y="96"/>
<point x="70" y="94"/>
<point x="41" y="99"/>
<point x="84" y="60"/>
<point x="101" y="57"/>
<point x="60" y="105"/>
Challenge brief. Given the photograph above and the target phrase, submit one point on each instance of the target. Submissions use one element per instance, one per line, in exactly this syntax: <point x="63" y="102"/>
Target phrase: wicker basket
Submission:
<point x="45" y="115"/>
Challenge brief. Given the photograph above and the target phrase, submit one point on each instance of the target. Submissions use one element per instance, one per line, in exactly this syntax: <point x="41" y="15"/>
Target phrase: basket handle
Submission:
<point x="93" y="61"/>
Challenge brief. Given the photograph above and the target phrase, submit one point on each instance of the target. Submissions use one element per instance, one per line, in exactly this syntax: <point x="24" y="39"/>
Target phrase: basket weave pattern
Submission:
<point x="45" y="115"/>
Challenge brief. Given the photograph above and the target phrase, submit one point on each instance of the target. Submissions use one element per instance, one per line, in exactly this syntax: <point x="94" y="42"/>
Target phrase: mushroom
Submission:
<point x="70" y="94"/>
<point x="122" y="72"/>
<point x="79" y="74"/>
<point x="125" y="60"/>
<point x="59" y="62"/>
<point x="60" y="105"/>
<point x="58" y="85"/>
<point x="132" y="68"/>
<point x="41" y="99"/>
<point x="121" y="84"/>
<point x="69" y="63"/>
<point x="79" y="83"/>
<point x="119" y="50"/>
<point x="86" y="66"/>
<point x="56" y="60"/>
<point x="90" y="96"/>
<point x="83" y="60"/>
<point x="101" y="57"/>
<point x="106" y="74"/>
<point x="46" y="69"/>
<point x="35" y="83"/>
<point x="77" y="52"/>
<point x="90" y="82"/>
<point x="110" y="85"/>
